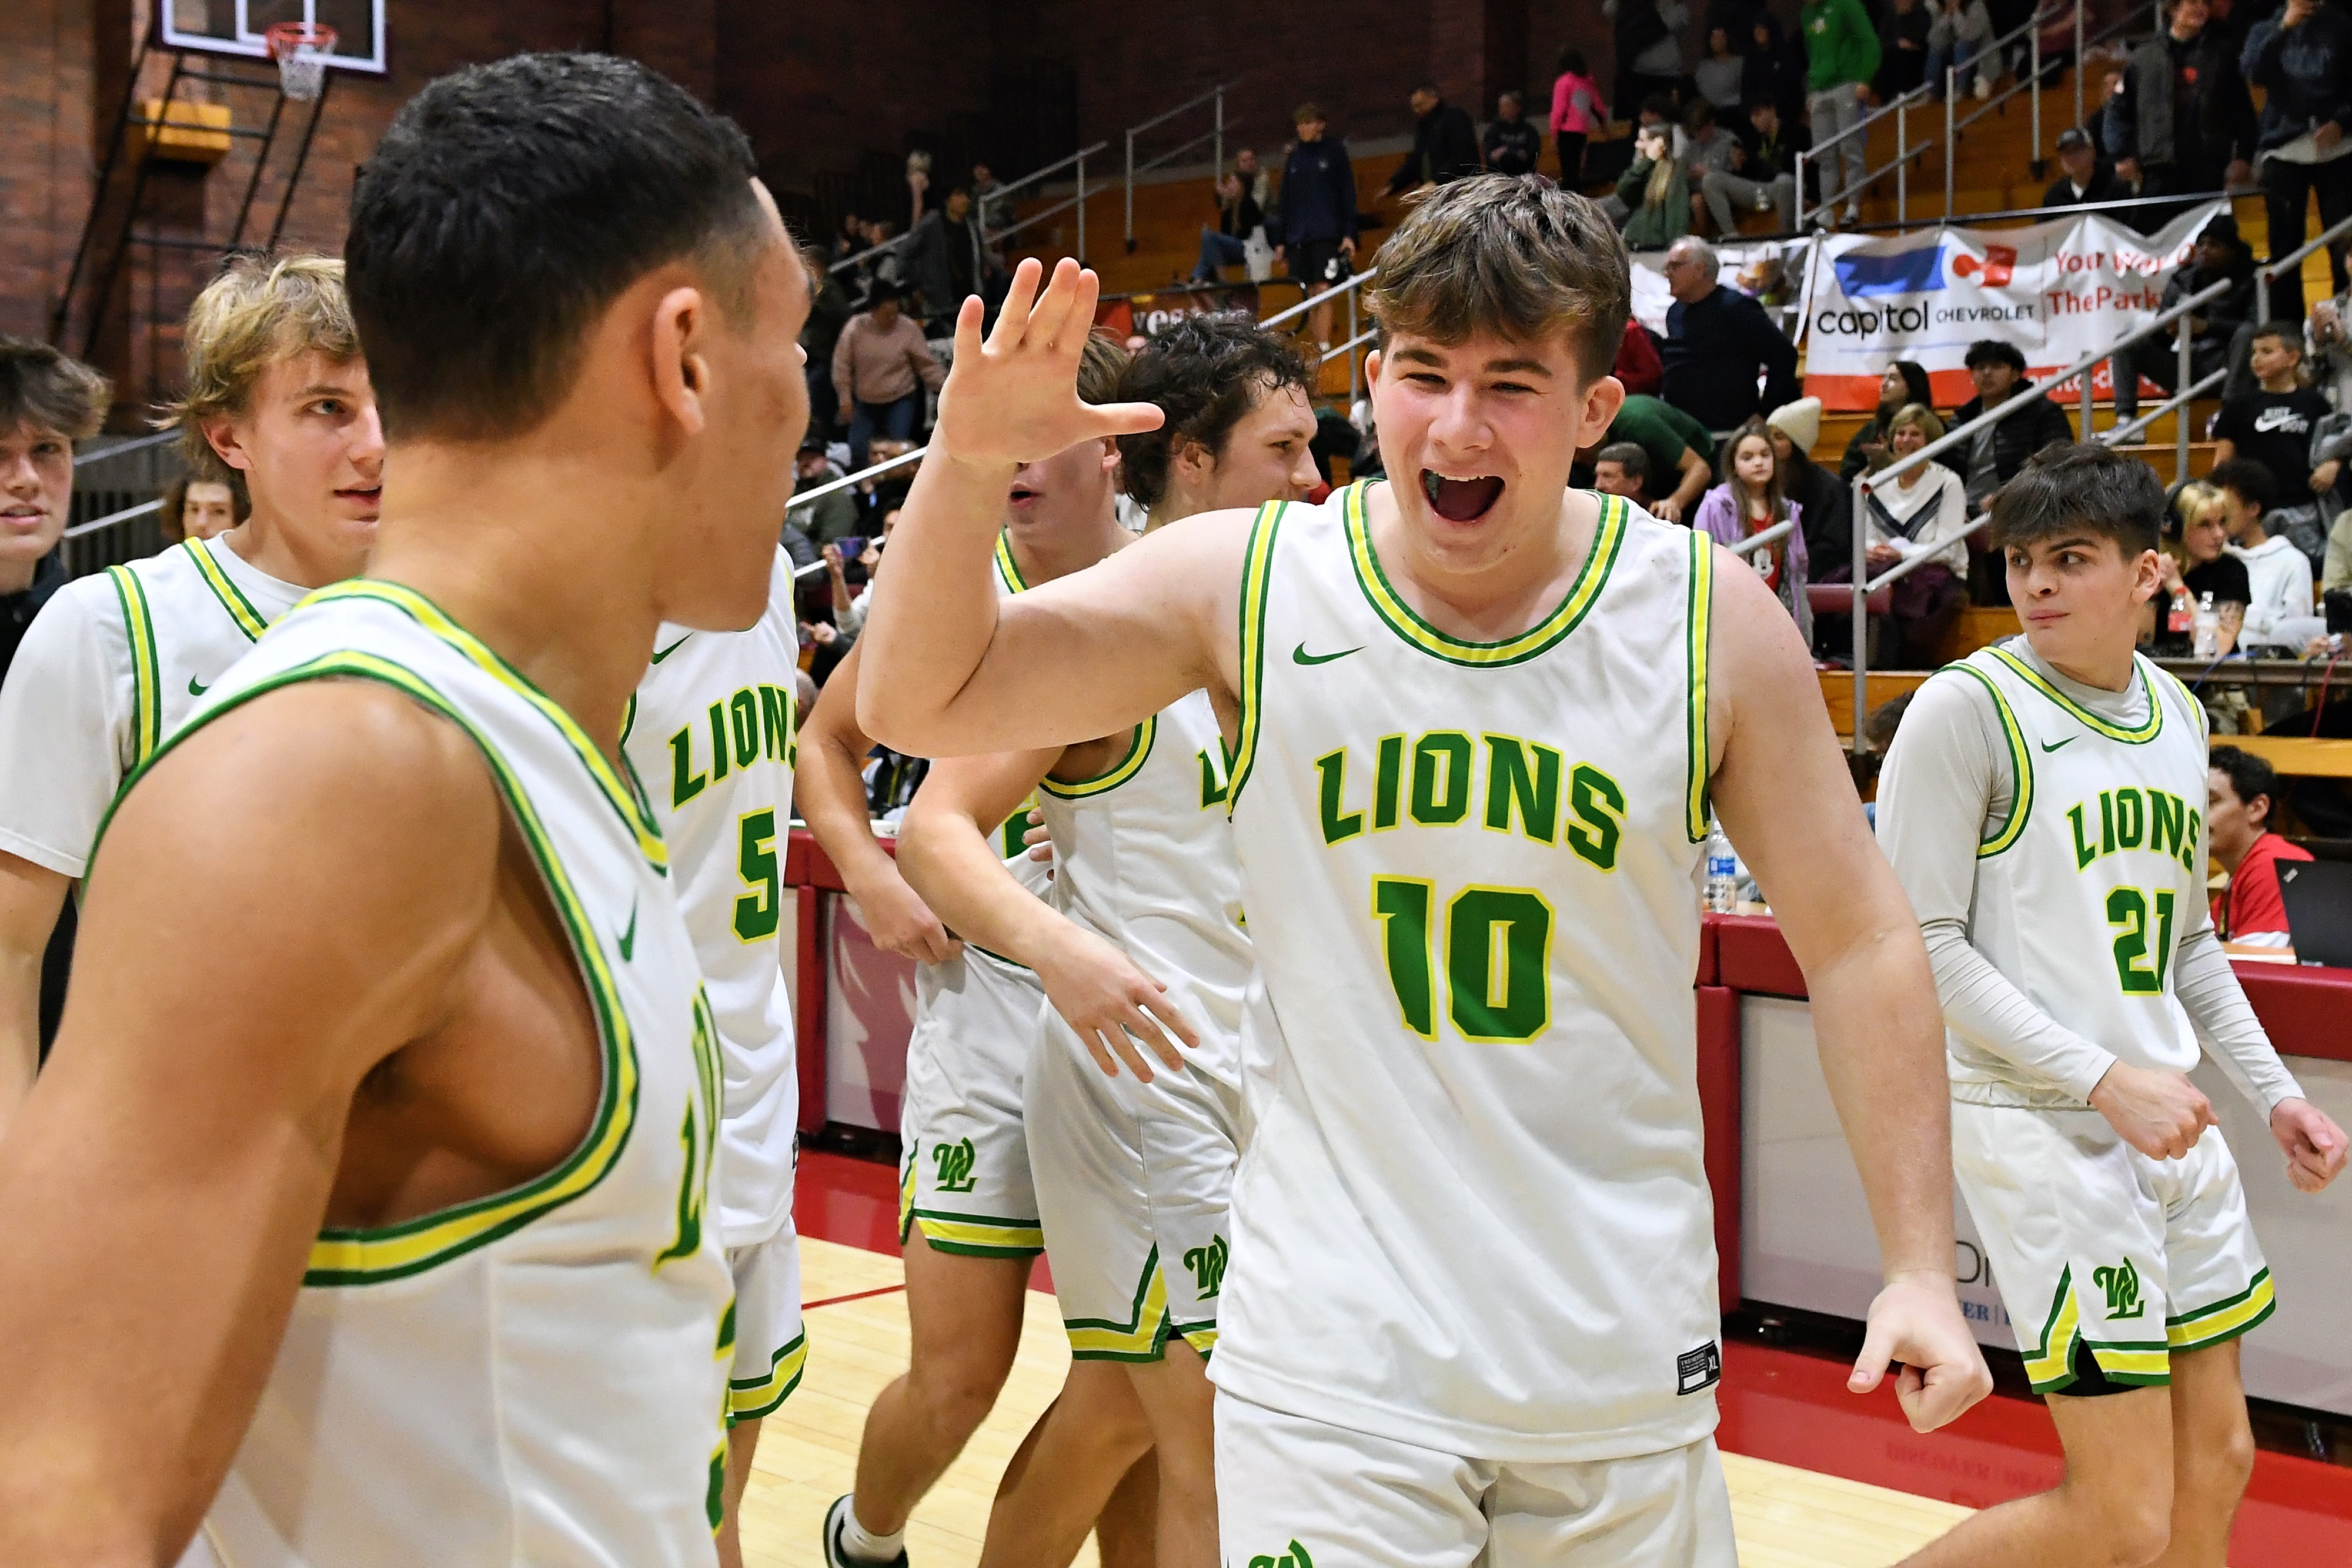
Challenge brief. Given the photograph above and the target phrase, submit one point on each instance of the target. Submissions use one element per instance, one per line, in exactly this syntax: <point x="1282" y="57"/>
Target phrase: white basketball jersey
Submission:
<point x="1472" y="1215"/>
<point x="710" y="737"/>
<point x="109" y="669"/>
<point x="2084" y="893"/>
<point x="538" y="1375"/>
<point x="1146" y="863"/>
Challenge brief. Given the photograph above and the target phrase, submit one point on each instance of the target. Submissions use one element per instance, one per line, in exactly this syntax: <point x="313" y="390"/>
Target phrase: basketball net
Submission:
<point x="300" y="50"/>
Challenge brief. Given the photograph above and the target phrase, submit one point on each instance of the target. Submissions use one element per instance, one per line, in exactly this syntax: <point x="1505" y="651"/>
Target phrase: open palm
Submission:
<point x="1013" y="397"/>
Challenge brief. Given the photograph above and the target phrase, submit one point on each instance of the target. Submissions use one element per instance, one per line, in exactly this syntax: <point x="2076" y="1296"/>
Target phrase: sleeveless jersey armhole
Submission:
<point x="1257" y="573"/>
<point x="146" y="693"/>
<point x="1701" y="608"/>
<point x="2020" y="767"/>
<point x="1138" y="749"/>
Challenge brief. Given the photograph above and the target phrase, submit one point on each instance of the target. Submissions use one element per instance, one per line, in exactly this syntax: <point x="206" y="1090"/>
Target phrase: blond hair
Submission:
<point x="1918" y="416"/>
<point x="257" y="312"/>
<point x="1514" y="257"/>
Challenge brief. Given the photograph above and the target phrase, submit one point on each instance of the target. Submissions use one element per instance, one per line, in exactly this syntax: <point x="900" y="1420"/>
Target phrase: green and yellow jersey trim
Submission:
<point x="249" y="621"/>
<point x="2142" y="1364"/>
<point x="1142" y="1337"/>
<point x="2145" y="732"/>
<point x="749" y="1398"/>
<point x="2021" y="768"/>
<point x="372" y="1255"/>
<point x="1608" y="536"/>
<point x="627" y="803"/>
<point x="1138" y="749"/>
<point x="1008" y="568"/>
<point x="2224" y="1319"/>
<point x="1257" y="579"/>
<point x="966" y="1234"/>
<point x="146" y="671"/>
<point x="1698" y="622"/>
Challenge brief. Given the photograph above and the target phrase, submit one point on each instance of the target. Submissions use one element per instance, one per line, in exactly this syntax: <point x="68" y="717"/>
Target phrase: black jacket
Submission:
<point x="17" y="609"/>
<point x="1319" y="194"/>
<point x="1513" y="146"/>
<point x="2021" y="436"/>
<point x="1712" y="350"/>
<point x="2306" y="72"/>
<point x="2147" y="116"/>
<point x="1445" y="147"/>
<point x="2104" y="187"/>
<point x="1826" y="517"/>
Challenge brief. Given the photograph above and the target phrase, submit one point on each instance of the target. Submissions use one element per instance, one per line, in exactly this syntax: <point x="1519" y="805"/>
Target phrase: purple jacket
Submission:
<point x="1718" y="517"/>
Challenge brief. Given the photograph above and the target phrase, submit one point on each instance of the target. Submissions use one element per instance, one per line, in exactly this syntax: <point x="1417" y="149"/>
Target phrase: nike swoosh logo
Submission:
<point x="1299" y="654"/>
<point x="672" y="648"/>
<point x="2052" y="746"/>
<point x="195" y="690"/>
<point x="628" y="943"/>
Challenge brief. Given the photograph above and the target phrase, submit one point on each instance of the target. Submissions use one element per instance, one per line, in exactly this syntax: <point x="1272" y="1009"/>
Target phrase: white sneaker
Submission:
<point x="1984" y="88"/>
<point x="1853" y="212"/>
<point x="834" y="1555"/>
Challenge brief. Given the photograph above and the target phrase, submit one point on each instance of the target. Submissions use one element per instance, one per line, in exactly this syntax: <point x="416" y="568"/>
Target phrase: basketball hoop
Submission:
<point x="300" y="50"/>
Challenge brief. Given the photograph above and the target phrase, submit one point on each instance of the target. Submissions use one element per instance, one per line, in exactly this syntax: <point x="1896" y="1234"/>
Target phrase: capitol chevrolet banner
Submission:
<point x="2058" y="291"/>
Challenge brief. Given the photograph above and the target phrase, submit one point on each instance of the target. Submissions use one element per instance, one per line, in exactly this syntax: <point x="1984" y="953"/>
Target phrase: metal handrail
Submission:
<point x="1215" y="135"/>
<point x="2271" y="271"/>
<point x="893" y="243"/>
<point x="108" y="522"/>
<point x="1770" y="536"/>
<point x="846" y="480"/>
<point x="1078" y="200"/>
<point x="124" y="448"/>
<point x="1328" y="296"/>
<point x="2066" y="209"/>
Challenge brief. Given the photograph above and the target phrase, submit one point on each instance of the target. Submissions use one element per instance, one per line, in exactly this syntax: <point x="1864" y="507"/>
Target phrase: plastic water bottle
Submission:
<point x="1722" y="871"/>
<point x="2180" y="621"/>
<point x="2207" y="641"/>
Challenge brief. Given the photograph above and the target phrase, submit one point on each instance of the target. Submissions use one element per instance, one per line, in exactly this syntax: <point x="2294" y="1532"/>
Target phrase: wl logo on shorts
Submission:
<point x="1208" y="1266"/>
<point x="2122" y="1285"/>
<point x="1294" y="1558"/>
<point x="955" y="1162"/>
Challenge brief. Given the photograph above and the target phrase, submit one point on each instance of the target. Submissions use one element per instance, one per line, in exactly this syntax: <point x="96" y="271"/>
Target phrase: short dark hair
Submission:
<point x="46" y="390"/>
<point x="1699" y="116"/>
<point x="508" y="206"/>
<point x="2251" y="776"/>
<point x="2090" y="487"/>
<point x="1205" y="373"/>
<point x="1660" y="104"/>
<point x="2251" y="481"/>
<point x="1628" y="456"/>
<point x="1995" y="352"/>
<point x="1307" y="113"/>
<point x="2288" y="337"/>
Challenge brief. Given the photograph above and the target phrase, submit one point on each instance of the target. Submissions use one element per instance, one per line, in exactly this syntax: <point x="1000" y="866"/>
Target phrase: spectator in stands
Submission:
<point x="1512" y="144"/>
<point x="1998" y="451"/>
<point x="1774" y="71"/>
<point x="1649" y="47"/>
<point x="1718" y="342"/>
<point x="881" y="367"/>
<point x="1319" y="213"/>
<point x="829" y="312"/>
<point x="1638" y="367"/>
<point x="47" y="402"/>
<point x="1444" y="145"/>
<point x="1577" y="111"/>
<point x="2197" y="561"/>
<point x="1956" y="39"/>
<point x="1720" y="73"/>
<point x="1750" y="500"/>
<point x="2241" y="792"/>
<point x="1903" y="33"/>
<point x="1678" y="452"/>
<point x="1623" y="468"/>
<point x="2335" y="570"/>
<point x="1827" y="501"/>
<point x="1240" y="215"/>
<point x="2301" y="59"/>
<point x="1764" y="177"/>
<point x="195" y="508"/>
<point x="2181" y="122"/>
<point x="2278" y="575"/>
<point x="1922" y="511"/>
<point x="2083" y="179"/>
<point x="984" y="188"/>
<point x="1841" y="56"/>
<point x="2329" y="333"/>
<point x="829" y="516"/>
<point x="947" y="259"/>
<point x="1904" y="384"/>
<point x="2273" y="426"/>
<point x="1708" y="148"/>
<point x="2220" y="256"/>
<point x="1655" y="193"/>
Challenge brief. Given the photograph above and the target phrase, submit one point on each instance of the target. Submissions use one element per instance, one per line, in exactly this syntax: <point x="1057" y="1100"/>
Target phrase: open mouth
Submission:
<point x="1023" y="494"/>
<point x="1464" y="500"/>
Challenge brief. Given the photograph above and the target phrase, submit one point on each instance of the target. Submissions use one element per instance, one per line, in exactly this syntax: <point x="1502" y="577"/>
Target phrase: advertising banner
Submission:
<point x="1146" y="315"/>
<point x="1772" y="272"/>
<point x="2057" y="290"/>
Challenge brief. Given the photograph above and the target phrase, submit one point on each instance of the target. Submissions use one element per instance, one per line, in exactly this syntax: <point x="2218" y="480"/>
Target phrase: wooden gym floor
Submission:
<point x="1819" y="1478"/>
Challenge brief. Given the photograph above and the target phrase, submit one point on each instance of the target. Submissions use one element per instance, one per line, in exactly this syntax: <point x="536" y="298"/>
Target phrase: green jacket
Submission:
<point x="1654" y="228"/>
<point x="1840" y="46"/>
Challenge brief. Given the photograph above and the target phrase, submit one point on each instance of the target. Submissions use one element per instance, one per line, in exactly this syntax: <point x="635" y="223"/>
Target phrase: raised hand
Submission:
<point x="1013" y="398"/>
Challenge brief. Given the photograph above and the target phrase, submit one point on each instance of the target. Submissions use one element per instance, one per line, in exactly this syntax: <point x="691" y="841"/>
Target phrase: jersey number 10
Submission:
<point x="1497" y="951"/>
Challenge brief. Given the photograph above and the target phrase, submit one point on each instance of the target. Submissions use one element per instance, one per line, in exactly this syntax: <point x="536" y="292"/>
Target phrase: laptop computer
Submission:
<point x="2318" y="897"/>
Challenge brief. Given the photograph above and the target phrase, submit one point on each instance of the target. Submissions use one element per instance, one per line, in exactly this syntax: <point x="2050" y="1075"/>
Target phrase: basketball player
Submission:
<point x="964" y="1177"/>
<point x="2042" y="804"/>
<point x="709" y="737"/>
<point x="277" y="390"/>
<point x="1476" y="720"/>
<point x="1133" y="1171"/>
<point x="412" y="1141"/>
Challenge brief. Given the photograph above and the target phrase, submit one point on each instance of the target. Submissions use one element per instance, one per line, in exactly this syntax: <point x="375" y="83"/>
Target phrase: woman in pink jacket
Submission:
<point x="1576" y="112"/>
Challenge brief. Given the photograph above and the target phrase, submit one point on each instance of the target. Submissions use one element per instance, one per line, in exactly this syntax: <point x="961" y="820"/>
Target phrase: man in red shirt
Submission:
<point x="2241" y="789"/>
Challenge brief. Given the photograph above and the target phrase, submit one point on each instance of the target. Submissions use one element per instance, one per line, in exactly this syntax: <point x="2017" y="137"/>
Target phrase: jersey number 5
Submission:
<point x="2128" y="914"/>
<point x="756" y="912"/>
<point x="1497" y="950"/>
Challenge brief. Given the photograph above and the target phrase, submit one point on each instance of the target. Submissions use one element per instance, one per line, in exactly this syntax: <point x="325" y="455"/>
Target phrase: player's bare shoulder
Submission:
<point x="1757" y="666"/>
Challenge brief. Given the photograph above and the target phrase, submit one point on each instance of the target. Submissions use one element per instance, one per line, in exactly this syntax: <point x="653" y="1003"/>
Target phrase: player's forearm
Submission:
<point x="947" y="859"/>
<point x="829" y="788"/>
<point x="1882" y="1052"/>
<point x="928" y="635"/>
<point x="2208" y="990"/>
<point x="20" y="1030"/>
<point x="1984" y="1008"/>
<point x="1694" y="485"/>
